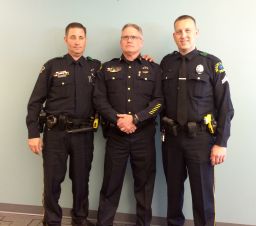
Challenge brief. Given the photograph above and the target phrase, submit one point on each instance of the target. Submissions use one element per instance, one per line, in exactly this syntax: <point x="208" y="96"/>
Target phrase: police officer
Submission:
<point x="65" y="86"/>
<point x="196" y="91"/>
<point x="128" y="96"/>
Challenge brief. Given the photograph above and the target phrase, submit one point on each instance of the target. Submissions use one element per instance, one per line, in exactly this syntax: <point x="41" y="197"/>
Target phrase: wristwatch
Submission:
<point x="135" y="119"/>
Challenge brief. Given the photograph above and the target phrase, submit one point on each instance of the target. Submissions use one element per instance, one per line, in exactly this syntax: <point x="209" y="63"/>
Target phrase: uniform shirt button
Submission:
<point x="129" y="76"/>
<point x="113" y="78"/>
<point x="130" y="66"/>
<point x="146" y="78"/>
<point x="129" y="88"/>
<point x="129" y="113"/>
<point x="63" y="83"/>
<point x="129" y="100"/>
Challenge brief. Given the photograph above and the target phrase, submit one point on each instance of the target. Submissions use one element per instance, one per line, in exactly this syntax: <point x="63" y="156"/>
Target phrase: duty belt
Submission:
<point x="170" y="126"/>
<point x="69" y="124"/>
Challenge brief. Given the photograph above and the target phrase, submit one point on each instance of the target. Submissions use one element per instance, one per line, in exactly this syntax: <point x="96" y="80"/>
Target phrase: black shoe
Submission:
<point x="45" y="224"/>
<point x="85" y="222"/>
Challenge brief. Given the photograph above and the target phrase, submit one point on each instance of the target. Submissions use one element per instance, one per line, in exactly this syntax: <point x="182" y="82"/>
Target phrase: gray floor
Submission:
<point x="21" y="219"/>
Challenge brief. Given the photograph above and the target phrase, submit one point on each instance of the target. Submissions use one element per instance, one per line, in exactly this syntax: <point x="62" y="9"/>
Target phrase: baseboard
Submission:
<point x="120" y="217"/>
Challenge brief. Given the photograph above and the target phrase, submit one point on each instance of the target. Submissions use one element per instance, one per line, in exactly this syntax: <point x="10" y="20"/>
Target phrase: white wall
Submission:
<point x="32" y="32"/>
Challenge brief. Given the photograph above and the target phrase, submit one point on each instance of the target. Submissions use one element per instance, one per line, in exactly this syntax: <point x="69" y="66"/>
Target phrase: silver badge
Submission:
<point x="199" y="69"/>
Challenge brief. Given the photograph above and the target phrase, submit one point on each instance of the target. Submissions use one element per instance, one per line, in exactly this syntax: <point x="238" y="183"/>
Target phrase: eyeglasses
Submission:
<point x="131" y="37"/>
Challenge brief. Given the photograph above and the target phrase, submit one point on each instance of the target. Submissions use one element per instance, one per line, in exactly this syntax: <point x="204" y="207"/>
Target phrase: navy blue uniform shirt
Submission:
<point x="128" y="87"/>
<point x="207" y="90"/>
<point x="65" y="86"/>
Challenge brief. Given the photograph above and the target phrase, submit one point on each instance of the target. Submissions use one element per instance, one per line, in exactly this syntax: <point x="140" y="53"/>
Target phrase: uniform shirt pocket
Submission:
<point x="61" y="87"/>
<point x="144" y="83"/>
<point x="169" y="82"/>
<point x="114" y="82"/>
<point x="199" y="85"/>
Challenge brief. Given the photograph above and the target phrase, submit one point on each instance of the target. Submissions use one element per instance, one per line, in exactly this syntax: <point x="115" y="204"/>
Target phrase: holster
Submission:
<point x="105" y="126"/>
<point x="42" y="120"/>
<point x="170" y="126"/>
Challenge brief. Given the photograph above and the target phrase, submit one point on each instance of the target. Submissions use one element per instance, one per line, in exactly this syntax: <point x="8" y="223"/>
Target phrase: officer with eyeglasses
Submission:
<point x="128" y="96"/>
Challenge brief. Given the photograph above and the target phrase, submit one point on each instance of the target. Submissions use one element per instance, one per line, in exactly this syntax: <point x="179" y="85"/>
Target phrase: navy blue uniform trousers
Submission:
<point x="140" y="148"/>
<point x="58" y="146"/>
<point x="185" y="156"/>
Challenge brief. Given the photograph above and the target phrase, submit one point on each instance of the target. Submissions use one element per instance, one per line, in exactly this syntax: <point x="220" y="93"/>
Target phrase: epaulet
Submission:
<point x="173" y="54"/>
<point x="114" y="59"/>
<point x="49" y="62"/>
<point x="93" y="61"/>
<point x="218" y="67"/>
<point x="57" y="58"/>
<point x="151" y="63"/>
<point x="90" y="58"/>
<point x="203" y="53"/>
<point x="211" y="57"/>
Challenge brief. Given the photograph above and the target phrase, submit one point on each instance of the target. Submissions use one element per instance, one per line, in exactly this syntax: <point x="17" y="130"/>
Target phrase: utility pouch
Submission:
<point x="62" y="122"/>
<point x="192" y="129"/>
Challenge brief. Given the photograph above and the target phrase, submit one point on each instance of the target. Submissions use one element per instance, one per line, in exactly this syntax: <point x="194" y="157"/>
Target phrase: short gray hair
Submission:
<point x="135" y="26"/>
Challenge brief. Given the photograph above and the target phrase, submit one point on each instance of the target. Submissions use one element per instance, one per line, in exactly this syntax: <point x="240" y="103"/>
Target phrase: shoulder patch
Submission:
<point x="219" y="68"/>
<point x="42" y="69"/>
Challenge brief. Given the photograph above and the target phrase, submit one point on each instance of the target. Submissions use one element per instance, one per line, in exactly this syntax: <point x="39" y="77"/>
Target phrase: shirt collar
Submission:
<point x="138" y="59"/>
<point x="189" y="56"/>
<point x="80" y="61"/>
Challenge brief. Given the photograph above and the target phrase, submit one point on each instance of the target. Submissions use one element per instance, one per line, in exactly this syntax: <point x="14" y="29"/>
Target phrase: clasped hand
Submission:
<point x="125" y="123"/>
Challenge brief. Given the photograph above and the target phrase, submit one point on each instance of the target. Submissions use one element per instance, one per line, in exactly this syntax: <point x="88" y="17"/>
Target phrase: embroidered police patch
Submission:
<point x="219" y="68"/>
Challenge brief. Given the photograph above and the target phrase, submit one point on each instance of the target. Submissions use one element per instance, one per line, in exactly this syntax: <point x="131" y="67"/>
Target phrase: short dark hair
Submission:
<point x="75" y="25"/>
<point x="184" y="17"/>
<point x="135" y="26"/>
